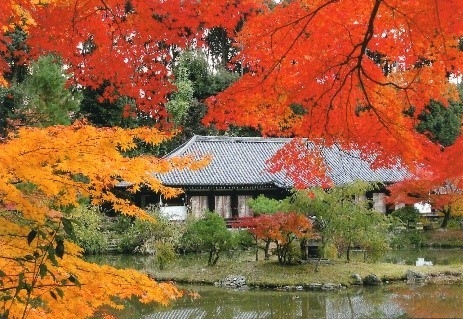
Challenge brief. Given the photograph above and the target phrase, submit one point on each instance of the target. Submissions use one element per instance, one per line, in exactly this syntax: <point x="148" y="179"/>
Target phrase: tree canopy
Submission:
<point x="128" y="44"/>
<point x="358" y="73"/>
<point x="41" y="98"/>
<point x="344" y="218"/>
<point x="354" y="69"/>
<point x="442" y="124"/>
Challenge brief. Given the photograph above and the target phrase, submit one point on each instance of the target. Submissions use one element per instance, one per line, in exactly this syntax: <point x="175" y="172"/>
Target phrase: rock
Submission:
<point x="233" y="281"/>
<point x="314" y="286"/>
<point x="330" y="287"/>
<point x="422" y="262"/>
<point x="357" y="279"/>
<point x="415" y="276"/>
<point x="372" y="280"/>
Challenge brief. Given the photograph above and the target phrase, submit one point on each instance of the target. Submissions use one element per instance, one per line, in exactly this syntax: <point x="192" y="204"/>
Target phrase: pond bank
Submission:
<point x="334" y="275"/>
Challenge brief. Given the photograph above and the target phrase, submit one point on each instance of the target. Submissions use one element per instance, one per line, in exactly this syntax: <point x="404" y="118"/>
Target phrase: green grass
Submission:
<point x="270" y="274"/>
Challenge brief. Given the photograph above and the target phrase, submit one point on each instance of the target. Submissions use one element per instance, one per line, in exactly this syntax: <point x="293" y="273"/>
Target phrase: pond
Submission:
<point x="395" y="301"/>
<point x="389" y="301"/>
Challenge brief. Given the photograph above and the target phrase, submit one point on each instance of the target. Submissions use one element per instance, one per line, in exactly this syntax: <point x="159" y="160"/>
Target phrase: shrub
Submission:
<point x="165" y="254"/>
<point x="409" y="215"/>
<point x="264" y="205"/>
<point x="210" y="234"/>
<point x="87" y="229"/>
<point x="244" y="239"/>
<point x="289" y="252"/>
<point x="142" y="236"/>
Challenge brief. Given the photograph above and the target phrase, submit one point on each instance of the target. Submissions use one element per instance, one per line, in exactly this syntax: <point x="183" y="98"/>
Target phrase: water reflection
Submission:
<point x="436" y="256"/>
<point x="228" y="304"/>
<point x="431" y="301"/>
<point x="395" y="301"/>
<point x="261" y="304"/>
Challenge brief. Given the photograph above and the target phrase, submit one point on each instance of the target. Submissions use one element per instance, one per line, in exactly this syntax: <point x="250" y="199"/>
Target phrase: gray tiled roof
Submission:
<point x="243" y="161"/>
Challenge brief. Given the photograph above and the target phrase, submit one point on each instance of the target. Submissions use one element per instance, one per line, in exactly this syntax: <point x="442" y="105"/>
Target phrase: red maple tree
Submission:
<point x="279" y="228"/>
<point x="353" y="72"/>
<point x="126" y="44"/>
<point x="357" y="73"/>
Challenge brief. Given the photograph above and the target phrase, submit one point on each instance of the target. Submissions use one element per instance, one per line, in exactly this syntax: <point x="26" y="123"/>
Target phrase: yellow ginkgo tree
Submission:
<point x="43" y="172"/>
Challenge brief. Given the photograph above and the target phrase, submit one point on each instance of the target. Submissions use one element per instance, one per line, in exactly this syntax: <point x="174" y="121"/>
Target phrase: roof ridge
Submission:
<point x="260" y="139"/>
<point x="185" y="145"/>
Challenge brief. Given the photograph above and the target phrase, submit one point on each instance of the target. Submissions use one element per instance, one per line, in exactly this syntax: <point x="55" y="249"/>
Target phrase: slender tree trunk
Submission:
<point x="279" y="254"/>
<point x="209" y="261"/>
<point x="214" y="262"/>
<point x="266" y="251"/>
<point x="320" y="254"/>
<point x="304" y="253"/>
<point x="447" y="215"/>
<point x="257" y="250"/>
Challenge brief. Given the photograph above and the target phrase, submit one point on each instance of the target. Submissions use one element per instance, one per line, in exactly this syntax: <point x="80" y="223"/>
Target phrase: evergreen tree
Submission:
<point x="42" y="98"/>
<point x="442" y="124"/>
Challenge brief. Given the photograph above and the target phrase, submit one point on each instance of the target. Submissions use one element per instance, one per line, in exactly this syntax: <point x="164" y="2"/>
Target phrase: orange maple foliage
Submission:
<point x="347" y="71"/>
<point x="42" y="274"/>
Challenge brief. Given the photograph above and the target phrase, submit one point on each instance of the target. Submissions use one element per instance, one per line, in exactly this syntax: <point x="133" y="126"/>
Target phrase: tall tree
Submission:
<point x="196" y="80"/>
<point x="181" y="100"/>
<point x="121" y="111"/>
<point x="442" y="124"/>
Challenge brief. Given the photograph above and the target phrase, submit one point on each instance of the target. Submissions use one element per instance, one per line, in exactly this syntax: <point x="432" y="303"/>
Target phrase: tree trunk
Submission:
<point x="321" y="253"/>
<point x="447" y="215"/>
<point x="266" y="251"/>
<point x="304" y="252"/>
<point x="214" y="262"/>
<point x="257" y="250"/>
<point x="279" y="254"/>
<point x="209" y="261"/>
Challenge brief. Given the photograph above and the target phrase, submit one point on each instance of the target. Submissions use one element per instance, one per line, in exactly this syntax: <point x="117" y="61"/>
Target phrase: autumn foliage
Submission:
<point x="355" y="72"/>
<point x="44" y="172"/>
<point x="280" y="228"/>
<point x="127" y="43"/>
